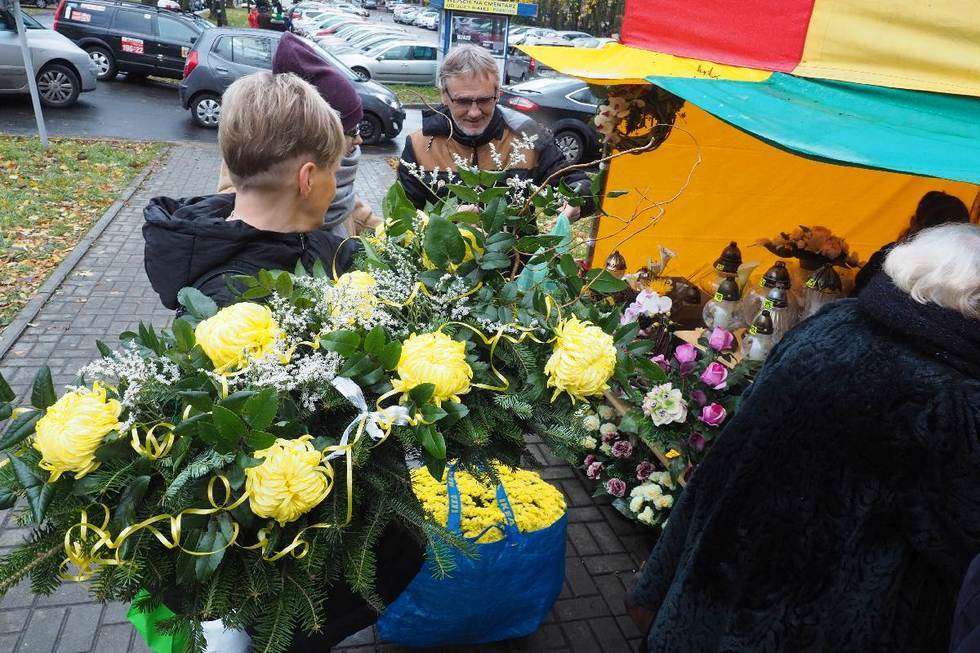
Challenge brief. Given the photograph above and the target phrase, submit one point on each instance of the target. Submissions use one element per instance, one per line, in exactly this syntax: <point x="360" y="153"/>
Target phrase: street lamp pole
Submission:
<point x="14" y="6"/>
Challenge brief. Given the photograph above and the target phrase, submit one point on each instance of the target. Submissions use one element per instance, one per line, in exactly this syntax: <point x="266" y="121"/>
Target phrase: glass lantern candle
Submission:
<point x="723" y="311"/>
<point x="776" y="276"/>
<point x="758" y="342"/>
<point x="784" y="317"/>
<point x="726" y="265"/>
<point x="824" y="287"/>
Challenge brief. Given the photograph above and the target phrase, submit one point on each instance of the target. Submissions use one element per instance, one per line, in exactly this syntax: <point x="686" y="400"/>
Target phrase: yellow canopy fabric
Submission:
<point x="622" y="64"/>
<point x="913" y="44"/>
<point x="745" y="189"/>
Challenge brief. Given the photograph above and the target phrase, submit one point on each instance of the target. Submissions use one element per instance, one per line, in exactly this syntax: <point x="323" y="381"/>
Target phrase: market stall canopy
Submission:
<point x="911" y="44"/>
<point x="620" y="64"/>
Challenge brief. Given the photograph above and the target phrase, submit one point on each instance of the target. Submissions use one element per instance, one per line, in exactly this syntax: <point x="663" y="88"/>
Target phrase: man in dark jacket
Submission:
<point x="470" y="129"/>
<point x="840" y="507"/>
<point x="282" y="144"/>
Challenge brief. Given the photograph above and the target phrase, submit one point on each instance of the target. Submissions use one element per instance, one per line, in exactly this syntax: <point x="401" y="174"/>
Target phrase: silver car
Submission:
<point x="62" y="69"/>
<point x="398" y="61"/>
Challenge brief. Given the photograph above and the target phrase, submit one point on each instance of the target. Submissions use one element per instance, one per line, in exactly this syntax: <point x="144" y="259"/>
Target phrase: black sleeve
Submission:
<point x="417" y="192"/>
<point x="550" y="161"/>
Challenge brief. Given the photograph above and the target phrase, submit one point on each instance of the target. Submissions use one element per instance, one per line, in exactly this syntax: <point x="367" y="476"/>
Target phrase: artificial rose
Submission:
<point x="588" y="442"/>
<point x="648" y="517"/>
<point x="622" y="449"/>
<point x="594" y="470"/>
<point x="715" y="376"/>
<point x="713" y="414"/>
<point x="720" y="339"/>
<point x="616" y="487"/>
<point x="643" y="470"/>
<point x="686" y="354"/>
<point x="588" y="460"/>
<point x="662" y="361"/>
<point x="664" y="404"/>
<point x="697" y="441"/>
<point x="699" y="397"/>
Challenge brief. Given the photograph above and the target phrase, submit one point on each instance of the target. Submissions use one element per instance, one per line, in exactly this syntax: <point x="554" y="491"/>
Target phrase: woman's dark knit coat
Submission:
<point x="840" y="508"/>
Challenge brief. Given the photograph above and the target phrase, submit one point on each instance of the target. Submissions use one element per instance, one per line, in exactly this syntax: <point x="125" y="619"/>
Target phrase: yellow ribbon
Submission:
<point x="150" y="447"/>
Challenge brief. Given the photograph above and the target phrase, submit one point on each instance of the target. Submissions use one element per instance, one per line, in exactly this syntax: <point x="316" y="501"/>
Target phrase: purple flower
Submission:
<point x="616" y="487"/>
<point x="643" y="470"/>
<point x="715" y="376"/>
<point x="588" y="460"/>
<point x="594" y="470"/>
<point x="686" y="353"/>
<point x="697" y="441"/>
<point x="713" y="414"/>
<point x="699" y="397"/>
<point x="662" y="361"/>
<point x="720" y="340"/>
<point x="622" y="449"/>
<point x="610" y="437"/>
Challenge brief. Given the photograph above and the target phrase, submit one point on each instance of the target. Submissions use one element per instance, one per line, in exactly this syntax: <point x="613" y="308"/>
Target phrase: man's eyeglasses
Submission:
<point x="481" y="103"/>
<point x="353" y="133"/>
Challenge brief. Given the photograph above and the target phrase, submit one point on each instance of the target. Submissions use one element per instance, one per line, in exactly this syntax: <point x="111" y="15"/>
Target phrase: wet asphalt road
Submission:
<point x="139" y="110"/>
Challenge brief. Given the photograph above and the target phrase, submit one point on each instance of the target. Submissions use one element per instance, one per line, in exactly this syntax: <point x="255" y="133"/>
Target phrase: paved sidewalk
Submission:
<point x="107" y="292"/>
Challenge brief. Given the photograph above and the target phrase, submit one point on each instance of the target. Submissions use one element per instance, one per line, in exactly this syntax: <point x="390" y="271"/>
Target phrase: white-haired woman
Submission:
<point x="840" y="507"/>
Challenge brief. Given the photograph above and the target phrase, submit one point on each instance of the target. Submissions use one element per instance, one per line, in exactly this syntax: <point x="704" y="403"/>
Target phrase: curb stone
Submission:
<point x="23" y="318"/>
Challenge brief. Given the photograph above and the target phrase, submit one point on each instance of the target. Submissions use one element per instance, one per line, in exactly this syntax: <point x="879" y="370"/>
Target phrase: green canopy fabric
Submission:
<point x="914" y="132"/>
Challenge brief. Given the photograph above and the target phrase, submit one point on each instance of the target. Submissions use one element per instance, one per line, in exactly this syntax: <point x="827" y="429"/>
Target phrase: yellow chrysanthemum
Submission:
<point x="437" y="359"/>
<point x="73" y="428"/>
<point x="357" y="290"/>
<point x="536" y="503"/>
<point x="583" y="359"/>
<point x="290" y="481"/>
<point x="236" y="332"/>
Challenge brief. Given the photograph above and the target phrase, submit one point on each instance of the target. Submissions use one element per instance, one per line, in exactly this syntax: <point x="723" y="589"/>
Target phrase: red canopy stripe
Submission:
<point x="767" y="34"/>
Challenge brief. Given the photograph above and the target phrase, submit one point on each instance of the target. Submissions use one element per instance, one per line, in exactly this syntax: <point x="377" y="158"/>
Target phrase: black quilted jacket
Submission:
<point x="840" y="508"/>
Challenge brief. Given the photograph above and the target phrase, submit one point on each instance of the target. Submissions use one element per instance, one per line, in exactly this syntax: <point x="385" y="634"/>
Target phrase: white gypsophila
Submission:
<point x="498" y="159"/>
<point x="591" y="423"/>
<point x="138" y="371"/>
<point x="449" y="303"/>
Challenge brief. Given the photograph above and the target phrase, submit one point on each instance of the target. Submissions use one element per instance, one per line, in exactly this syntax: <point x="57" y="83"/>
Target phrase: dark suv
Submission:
<point x="125" y="37"/>
<point x="224" y="54"/>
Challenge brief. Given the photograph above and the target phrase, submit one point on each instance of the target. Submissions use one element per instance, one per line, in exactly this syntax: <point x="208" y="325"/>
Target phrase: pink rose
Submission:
<point x="699" y="397"/>
<point x="720" y="339"/>
<point x="662" y="361"/>
<point x="622" y="449"/>
<point x="616" y="487"/>
<point x="643" y="470"/>
<point x="713" y="414"/>
<point x="714" y="376"/>
<point x="686" y="353"/>
<point x="589" y="460"/>
<point x="594" y="470"/>
<point x="697" y="441"/>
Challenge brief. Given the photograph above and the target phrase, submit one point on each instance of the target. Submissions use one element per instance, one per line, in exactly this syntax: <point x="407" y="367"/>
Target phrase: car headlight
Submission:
<point x="390" y="101"/>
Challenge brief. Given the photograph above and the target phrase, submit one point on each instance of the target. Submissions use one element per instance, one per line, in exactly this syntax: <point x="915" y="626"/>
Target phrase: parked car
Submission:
<point x="396" y="61"/>
<point x="533" y="33"/>
<point x="569" y="35"/>
<point x="352" y="9"/>
<point x="124" y="37"/>
<point x="369" y="4"/>
<point x="520" y="67"/>
<point x="427" y="19"/>
<point x="224" y="54"/>
<point x="61" y="68"/>
<point x="565" y="105"/>
<point x="592" y="42"/>
<point x="405" y="14"/>
<point x="329" y="25"/>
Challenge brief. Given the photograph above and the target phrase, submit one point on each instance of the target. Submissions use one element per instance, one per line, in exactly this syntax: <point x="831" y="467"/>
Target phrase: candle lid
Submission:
<point x="730" y="259"/>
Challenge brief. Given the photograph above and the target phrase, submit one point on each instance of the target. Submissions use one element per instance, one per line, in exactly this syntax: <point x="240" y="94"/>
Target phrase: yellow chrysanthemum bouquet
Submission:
<point x="245" y="456"/>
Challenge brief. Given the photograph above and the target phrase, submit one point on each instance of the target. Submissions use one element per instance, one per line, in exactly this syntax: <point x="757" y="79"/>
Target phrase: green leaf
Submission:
<point x="397" y="209"/>
<point x="42" y="394"/>
<point x="319" y="272"/>
<point x="230" y="426"/>
<point x="495" y="261"/>
<point x="390" y="355"/>
<point x="257" y="440"/>
<point x="613" y="194"/>
<point x="464" y="193"/>
<point x="260" y="410"/>
<point x="499" y="242"/>
<point x="375" y="341"/>
<point x="442" y="242"/>
<point x="125" y="511"/>
<point x="433" y="443"/>
<point x="357" y="365"/>
<point x="371" y="254"/>
<point x="189" y="425"/>
<point x="343" y="342"/>
<point x="39" y="493"/>
<point x="492" y="194"/>
<point x="197" y="399"/>
<point x="236" y="400"/>
<point x="435" y="466"/>
<point x="650" y="370"/>
<point x="602" y="282"/>
<point x="284" y="285"/>
<point x="422" y="393"/>
<point x="626" y="334"/>
<point x="183" y="335"/>
<point x="217" y="535"/>
<point x="628" y="424"/>
<point x="469" y="177"/>
<point x="197" y="303"/>
<point x="7" y="499"/>
<point x="567" y="266"/>
<point x="432" y="413"/>
<point x="21" y="427"/>
<point x="6" y="394"/>
<point x="531" y="244"/>
<point x="6" y="410"/>
<point x="454" y="412"/>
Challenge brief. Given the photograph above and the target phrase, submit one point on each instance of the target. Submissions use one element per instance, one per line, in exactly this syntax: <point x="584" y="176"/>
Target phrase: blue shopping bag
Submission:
<point x="504" y="592"/>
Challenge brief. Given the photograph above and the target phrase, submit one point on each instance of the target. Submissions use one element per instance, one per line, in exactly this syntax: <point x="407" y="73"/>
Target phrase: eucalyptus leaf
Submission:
<point x="197" y="303"/>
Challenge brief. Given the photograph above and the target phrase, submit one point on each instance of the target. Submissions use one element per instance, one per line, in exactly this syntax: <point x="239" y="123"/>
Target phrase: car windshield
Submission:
<point x="29" y="23"/>
<point x="335" y="62"/>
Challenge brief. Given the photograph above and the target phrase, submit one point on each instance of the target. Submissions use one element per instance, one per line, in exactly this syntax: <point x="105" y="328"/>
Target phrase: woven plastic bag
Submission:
<point x="504" y="592"/>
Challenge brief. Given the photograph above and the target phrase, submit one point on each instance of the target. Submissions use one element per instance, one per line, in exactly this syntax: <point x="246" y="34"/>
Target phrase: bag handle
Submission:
<point x="454" y="518"/>
<point x="452" y="490"/>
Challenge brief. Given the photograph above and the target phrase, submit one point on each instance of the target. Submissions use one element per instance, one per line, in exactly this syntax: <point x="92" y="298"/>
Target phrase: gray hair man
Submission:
<point x="471" y="127"/>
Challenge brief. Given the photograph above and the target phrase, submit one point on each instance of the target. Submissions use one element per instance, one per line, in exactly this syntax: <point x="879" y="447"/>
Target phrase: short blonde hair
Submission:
<point x="467" y="61"/>
<point x="267" y="121"/>
<point x="940" y="265"/>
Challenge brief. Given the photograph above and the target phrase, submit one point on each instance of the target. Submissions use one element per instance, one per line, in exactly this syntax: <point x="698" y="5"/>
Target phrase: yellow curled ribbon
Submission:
<point x="150" y="447"/>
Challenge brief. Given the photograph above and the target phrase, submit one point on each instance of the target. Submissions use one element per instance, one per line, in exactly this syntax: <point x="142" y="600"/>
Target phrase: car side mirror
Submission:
<point x="361" y="76"/>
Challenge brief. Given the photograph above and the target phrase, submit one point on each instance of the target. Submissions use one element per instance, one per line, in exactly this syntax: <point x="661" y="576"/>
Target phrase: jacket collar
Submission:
<point x="439" y="122"/>
<point x="946" y="335"/>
